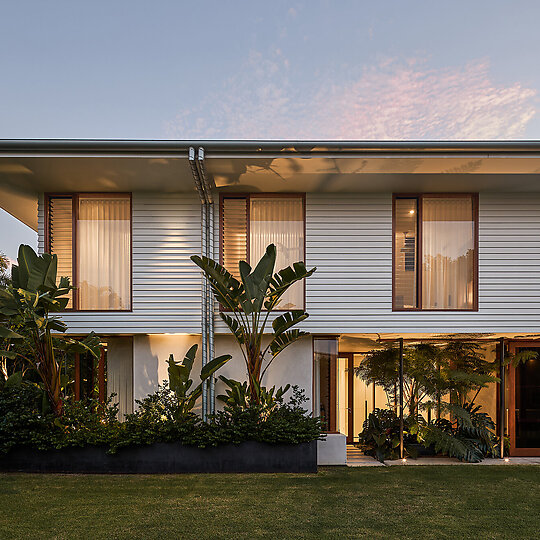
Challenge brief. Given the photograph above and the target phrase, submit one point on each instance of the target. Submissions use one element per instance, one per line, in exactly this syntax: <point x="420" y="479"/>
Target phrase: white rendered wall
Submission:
<point x="151" y="352"/>
<point x="293" y="366"/>
<point x="150" y="355"/>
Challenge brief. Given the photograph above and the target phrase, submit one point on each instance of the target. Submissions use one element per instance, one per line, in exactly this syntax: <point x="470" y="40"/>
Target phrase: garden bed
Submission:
<point x="166" y="458"/>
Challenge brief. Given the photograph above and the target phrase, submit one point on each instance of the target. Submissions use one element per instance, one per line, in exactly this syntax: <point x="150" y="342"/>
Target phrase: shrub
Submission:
<point x="160" y="417"/>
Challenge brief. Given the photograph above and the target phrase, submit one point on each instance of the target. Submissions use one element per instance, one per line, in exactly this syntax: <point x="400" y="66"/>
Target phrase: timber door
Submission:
<point x="524" y="403"/>
<point x="345" y="396"/>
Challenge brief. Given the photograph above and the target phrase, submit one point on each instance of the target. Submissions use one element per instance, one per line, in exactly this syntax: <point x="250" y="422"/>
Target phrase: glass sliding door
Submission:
<point x="524" y="404"/>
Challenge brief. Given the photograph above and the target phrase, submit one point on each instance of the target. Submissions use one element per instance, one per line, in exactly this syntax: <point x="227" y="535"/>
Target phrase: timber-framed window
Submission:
<point x="435" y="252"/>
<point x="91" y="235"/>
<point x="250" y="222"/>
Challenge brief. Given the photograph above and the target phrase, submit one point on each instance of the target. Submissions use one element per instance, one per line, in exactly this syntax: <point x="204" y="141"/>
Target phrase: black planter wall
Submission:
<point x="166" y="458"/>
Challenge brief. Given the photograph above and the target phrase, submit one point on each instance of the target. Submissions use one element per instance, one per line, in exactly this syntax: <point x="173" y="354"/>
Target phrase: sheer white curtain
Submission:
<point x="104" y="252"/>
<point x="447" y="253"/>
<point x="279" y="221"/>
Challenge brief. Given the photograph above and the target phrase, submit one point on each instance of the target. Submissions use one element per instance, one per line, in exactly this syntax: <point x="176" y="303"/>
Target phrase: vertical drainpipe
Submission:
<point x="204" y="284"/>
<point x="210" y="254"/>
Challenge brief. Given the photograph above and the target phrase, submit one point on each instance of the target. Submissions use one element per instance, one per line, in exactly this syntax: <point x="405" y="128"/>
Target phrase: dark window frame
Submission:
<point x="75" y="214"/>
<point x="419" y="198"/>
<point x="248" y="196"/>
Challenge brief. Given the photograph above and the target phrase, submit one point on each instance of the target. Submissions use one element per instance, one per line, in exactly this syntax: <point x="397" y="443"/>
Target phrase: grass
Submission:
<point x="393" y="502"/>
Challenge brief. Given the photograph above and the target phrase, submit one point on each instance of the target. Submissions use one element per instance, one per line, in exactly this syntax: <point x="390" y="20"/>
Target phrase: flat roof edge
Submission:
<point x="261" y="147"/>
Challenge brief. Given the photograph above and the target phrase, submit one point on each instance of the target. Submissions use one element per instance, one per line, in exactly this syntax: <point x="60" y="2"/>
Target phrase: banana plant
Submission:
<point x="27" y="305"/>
<point x="248" y="303"/>
<point x="237" y="395"/>
<point x="180" y="382"/>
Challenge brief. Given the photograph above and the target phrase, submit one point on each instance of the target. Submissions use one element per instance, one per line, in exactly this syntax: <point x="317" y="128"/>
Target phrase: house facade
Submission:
<point x="410" y="240"/>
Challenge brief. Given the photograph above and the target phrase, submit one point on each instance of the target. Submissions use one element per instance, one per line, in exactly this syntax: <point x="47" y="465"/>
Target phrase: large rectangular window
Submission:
<point x="91" y="235"/>
<point x="435" y="252"/>
<point x="249" y="223"/>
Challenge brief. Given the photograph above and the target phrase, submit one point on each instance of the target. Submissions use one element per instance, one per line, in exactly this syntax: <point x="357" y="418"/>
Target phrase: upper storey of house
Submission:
<point x="407" y="237"/>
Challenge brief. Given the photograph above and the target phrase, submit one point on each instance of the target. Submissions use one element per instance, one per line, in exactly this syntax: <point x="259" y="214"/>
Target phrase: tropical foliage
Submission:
<point x="160" y="417"/>
<point x="446" y="377"/>
<point x="247" y="305"/>
<point x="4" y="265"/>
<point x="30" y="331"/>
<point x="180" y="382"/>
<point x="238" y="395"/>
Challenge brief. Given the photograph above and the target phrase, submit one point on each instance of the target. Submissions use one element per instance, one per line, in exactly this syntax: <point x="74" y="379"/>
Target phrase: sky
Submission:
<point x="335" y="69"/>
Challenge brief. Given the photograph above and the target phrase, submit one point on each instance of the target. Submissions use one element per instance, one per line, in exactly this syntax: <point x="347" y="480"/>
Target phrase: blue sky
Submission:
<point x="259" y="69"/>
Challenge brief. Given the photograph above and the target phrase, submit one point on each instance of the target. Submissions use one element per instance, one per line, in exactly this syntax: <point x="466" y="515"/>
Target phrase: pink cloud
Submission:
<point x="390" y="100"/>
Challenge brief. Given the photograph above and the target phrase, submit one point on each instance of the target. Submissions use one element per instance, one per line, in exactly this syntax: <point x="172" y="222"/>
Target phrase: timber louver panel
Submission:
<point x="235" y="242"/>
<point x="61" y="236"/>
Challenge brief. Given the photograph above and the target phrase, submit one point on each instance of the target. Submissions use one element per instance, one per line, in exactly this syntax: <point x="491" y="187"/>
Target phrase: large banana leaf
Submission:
<point x="256" y="282"/>
<point x="7" y="333"/>
<point x="287" y="320"/>
<point x="227" y="289"/>
<point x="285" y="339"/>
<point x="179" y="373"/>
<point x="90" y="344"/>
<point x="211" y="367"/>
<point x="282" y="280"/>
<point x="235" y="327"/>
<point x="32" y="271"/>
<point x="8" y="304"/>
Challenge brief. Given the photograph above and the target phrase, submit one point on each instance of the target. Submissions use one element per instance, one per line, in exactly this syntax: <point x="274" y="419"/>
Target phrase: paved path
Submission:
<point x="355" y="458"/>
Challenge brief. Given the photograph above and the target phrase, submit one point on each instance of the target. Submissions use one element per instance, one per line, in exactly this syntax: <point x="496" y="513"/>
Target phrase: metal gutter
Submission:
<point x="238" y="148"/>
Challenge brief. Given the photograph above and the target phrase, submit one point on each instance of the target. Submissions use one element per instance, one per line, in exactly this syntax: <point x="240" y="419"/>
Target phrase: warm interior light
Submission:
<point x="411" y="211"/>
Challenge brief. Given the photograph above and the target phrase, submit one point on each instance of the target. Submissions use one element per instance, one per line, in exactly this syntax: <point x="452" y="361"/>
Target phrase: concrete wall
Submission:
<point x="293" y="366"/>
<point x="150" y="354"/>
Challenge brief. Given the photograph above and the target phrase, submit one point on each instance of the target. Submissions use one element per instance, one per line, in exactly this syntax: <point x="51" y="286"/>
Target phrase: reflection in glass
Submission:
<point x="325" y="352"/>
<point x="405" y="272"/>
<point x="447" y="253"/>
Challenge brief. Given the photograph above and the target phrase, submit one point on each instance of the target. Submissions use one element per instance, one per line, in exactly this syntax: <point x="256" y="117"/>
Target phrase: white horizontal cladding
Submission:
<point x="349" y="240"/>
<point x="166" y="231"/>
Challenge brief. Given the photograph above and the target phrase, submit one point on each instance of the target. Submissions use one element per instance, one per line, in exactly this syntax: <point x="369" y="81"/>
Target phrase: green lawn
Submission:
<point x="394" y="502"/>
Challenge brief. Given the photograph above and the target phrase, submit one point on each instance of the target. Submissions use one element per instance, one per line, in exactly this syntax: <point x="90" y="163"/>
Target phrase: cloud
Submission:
<point x="392" y="99"/>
